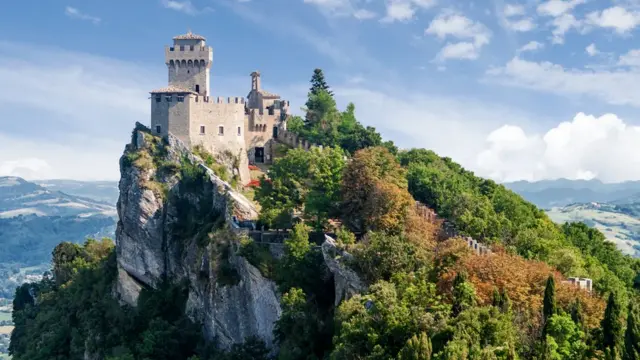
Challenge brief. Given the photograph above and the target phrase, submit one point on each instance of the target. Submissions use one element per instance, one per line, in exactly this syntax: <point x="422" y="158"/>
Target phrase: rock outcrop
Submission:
<point x="176" y="223"/>
<point x="346" y="281"/>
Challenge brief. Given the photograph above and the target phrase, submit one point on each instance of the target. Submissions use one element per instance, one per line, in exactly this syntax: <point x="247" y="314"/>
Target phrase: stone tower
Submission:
<point x="189" y="61"/>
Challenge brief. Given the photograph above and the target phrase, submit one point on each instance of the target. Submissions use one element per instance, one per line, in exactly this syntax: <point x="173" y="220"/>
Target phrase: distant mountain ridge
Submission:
<point x="20" y="197"/>
<point x="98" y="191"/>
<point x="561" y="192"/>
<point x="35" y="218"/>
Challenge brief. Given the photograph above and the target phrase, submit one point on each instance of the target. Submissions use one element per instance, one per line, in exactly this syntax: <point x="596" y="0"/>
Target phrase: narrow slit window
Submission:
<point x="202" y="130"/>
<point x="220" y="130"/>
<point x="158" y="129"/>
<point x="239" y="130"/>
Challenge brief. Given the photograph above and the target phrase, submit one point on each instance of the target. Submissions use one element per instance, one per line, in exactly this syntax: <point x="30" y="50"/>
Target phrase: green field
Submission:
<point x="621" y="229"/>
<point x="5" y="316"/>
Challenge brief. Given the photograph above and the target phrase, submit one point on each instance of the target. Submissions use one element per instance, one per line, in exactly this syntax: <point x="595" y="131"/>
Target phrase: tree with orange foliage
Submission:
<point x="524" y="281"/>
<point x="374" y="190"/>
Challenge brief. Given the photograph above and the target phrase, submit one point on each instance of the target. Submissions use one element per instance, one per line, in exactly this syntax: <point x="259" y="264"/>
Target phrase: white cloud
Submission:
<point x="364" y="14"/>
<point x="631" y="59"/>
<point x="556" y="8"/>
<point x="28" y="168"/>
<point x="586" y="147"/>
<point x="617" y="18"/>
<point x="405" y="10"/>
<point x="513" y="10"/>
<point x="563" y="20"/>
<point x="77" y="14"/>
<point x="591" y="50"/>
<point x="562" y="24"/>
<point x="531" y="46"/>
<point x="522" y="25"/>
<point x="186" y="6"/>
<point x="342" y="8"/>
<point x="454" y="25"/>
<point x="609" y="85"/>
<point x="459" y="50"/>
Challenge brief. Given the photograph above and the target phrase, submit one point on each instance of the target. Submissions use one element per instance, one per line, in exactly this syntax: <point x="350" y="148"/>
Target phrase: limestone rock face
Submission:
<point x="347" y="282"/>
<point x="149" y="246"/>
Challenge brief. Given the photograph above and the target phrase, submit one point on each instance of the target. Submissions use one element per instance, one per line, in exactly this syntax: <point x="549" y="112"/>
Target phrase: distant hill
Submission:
<point x="104" y="191"/>
<point x="619" y="227"/>
<point x="35" y="218"/>
<point x="614" y="209"/>
<point x="553" y="193"/>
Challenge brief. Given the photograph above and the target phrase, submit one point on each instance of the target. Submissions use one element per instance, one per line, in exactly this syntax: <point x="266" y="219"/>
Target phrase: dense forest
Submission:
<point x="427" y="297"/>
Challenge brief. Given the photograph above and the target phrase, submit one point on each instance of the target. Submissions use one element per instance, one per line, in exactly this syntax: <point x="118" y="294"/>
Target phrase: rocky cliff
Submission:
<point x="176" y="224"/>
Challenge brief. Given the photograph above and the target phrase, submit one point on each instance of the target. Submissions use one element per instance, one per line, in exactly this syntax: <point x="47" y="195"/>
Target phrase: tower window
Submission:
<point x="158" y="98"/>
<point x="191" y="47"/>
<point x="168" y="97"/>
<point x="239" y="131"/>
<point x="180" y="98"/>
<point x="220" y="130"/>
<point x="198" y="88"/>
<point x="181" y="47"/>
<point x="202" y="130"/>
<point x="158" y="129"/>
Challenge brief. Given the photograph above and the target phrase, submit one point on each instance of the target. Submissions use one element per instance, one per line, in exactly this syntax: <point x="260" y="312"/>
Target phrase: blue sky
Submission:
<point x="528" y="89"/>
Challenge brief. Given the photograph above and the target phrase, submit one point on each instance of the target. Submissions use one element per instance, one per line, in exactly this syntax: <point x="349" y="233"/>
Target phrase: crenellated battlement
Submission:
<point x="188" y="52"/>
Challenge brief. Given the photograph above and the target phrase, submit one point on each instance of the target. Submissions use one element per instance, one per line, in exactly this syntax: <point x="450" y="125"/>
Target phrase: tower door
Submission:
<point x="259" y="155"/>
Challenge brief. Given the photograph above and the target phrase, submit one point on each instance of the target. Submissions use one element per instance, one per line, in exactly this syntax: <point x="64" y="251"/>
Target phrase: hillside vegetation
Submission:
<point x="426" y="296"/>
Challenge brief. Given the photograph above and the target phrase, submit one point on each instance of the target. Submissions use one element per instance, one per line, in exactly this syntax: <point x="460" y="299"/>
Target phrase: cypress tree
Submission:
<point x="416" y="348"/>
<point x="464" y="295"/>
<point x="611" y="328"/>
<point x="497" y="299"/>
<point x="576" y="313"/>
<point x="549" y="305"/>
<point x="505" y="304"/>
<point x="632" y="334"/>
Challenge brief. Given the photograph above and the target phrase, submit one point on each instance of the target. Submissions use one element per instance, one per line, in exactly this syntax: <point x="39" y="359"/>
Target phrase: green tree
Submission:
<point x="612" y="328"/>
<point x="307" y="181"/>
<point x="318" y="83"/>
<point x="464" y="295"/>
<point x="416" y="348"/>
<point x="297" y="244"/>
<point x="632" y="334"/>
<point x="568" y="339"/>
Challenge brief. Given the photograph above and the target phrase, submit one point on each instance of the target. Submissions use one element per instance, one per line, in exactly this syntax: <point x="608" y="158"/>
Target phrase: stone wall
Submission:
<point x="294" y="140"/>
<point x="189" y="63"/>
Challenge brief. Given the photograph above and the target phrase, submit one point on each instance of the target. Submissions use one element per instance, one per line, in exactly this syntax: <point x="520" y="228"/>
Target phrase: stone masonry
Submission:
<point x="238" y="126"/>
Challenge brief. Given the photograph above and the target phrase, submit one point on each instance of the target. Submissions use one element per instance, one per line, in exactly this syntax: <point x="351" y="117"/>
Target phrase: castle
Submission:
<point x="243" y="127"/>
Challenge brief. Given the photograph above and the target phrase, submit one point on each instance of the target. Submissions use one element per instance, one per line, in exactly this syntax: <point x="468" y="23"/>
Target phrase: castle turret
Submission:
<point x="189" y="61"/>
<point x="255" y="81"/>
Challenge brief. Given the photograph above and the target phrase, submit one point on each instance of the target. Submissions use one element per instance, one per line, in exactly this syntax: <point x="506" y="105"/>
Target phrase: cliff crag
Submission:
<point x="176" y="225"/>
